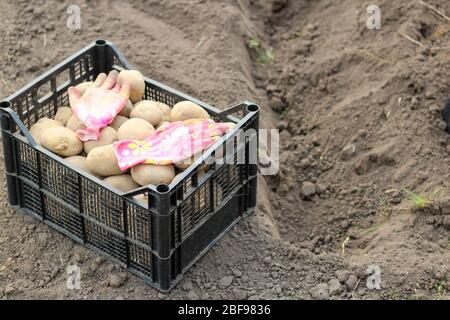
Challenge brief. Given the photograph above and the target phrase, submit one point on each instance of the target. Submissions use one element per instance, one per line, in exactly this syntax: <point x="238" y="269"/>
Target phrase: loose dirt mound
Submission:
<point x="358" y="112"/>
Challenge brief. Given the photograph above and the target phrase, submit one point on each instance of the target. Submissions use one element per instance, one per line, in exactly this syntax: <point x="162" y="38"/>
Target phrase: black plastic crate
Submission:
<point x="159" y="240"/>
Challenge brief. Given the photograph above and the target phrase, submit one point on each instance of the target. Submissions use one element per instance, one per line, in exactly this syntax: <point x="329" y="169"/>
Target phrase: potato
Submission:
<point x="107" y="136"/>
<point x="103" y="161"/>
<point x="127" y="109"/>
<point x="63" y="114"/>
<point x="79" y="162"/>
<point x="123" y="182"/>
<point x="61" y="141"/>
<point x="165" y="109"/>
<point x="186" y="163"/>
<point x="136" y="128"/>
<point x="161" y="124"/>
<point x="147" y="110"/>
<point x="44" y="119"/>
<point x="177" y="178"/>
<point x="74" y="124"/>
<point x="118" y="121"/>
<point x="185" y="110"/>
<point x="143" y="198"/>
<point x="39" y="127"/>
<point x="136" y="81"/>
<point x="145" y="174"/>
<point x="84" y="86"/>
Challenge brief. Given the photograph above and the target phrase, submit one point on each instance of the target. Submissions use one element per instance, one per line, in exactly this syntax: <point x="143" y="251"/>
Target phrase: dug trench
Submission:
<point x="363" y="143"/>
<point x="363" y="155"/>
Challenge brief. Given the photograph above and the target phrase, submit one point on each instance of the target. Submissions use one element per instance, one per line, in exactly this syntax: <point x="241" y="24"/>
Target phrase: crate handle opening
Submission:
<point x="5" y="104"/>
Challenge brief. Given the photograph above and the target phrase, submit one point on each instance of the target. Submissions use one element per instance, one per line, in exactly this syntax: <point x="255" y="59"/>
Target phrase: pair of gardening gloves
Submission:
<point x="171" y="143"/>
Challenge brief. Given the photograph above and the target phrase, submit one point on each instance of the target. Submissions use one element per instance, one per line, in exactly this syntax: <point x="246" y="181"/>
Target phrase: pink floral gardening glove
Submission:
<point x="99" y="105"/>
<point x="171" y="143"/>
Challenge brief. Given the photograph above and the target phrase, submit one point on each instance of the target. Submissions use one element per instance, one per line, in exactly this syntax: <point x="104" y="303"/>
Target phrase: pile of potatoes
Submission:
<point x="137" y="120"/>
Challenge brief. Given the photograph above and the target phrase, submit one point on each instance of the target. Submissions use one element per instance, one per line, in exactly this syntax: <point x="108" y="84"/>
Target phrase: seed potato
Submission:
<point x="145" y="174"/>
<point x="147" y="110"/>
<point x="61" y="141"/>
<point x="103" y="161"/>
<point x="63" y="115"/>
<point x="118" y="121"/>
<point x="165" y="109"/>
<point x="74" y="124"/>
<point x="79" y="162"/>
<point x="123" y="182"/>
<point x="107" y="136"/>
<point x="39" y="127"/>
<point x="186" y="110"/>
<point x="84" y="86"/>
<point x="137" y="129"/>
<point x="127" y="109"/>
<point x="136" y="81"/>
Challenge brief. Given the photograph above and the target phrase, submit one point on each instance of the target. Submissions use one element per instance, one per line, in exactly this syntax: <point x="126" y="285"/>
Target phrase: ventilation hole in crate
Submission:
<point x="102" y="205"/>
<point x="117" y="62"/>
<point x="195" y="208"/>
<point x="27" y="162"/>
<point x="237" y="114"/>
<point x="31" y="199"/>
<point x="29" y="109"/>
<point x="105" y="240"/>
<point x="77" y="68"/>
<point x="46" y="110"/>
<point x="218" y="195"/>
<point x="187" y="184"/>
<point x="62" y="216"/>
<point x="235" y="176"/>
<point x="139" y="223"/>
<point x="221" y="179"/>
<point x="60" y="180"/>
<point x="228" y="178"/>
<point x="141" y="259"/>
<point x="88" y="66"/>
<point x="63" y="78"/>
<point x="62" y="100"/>
<point x="157" y="94"/>
<point x="44" y="92"/>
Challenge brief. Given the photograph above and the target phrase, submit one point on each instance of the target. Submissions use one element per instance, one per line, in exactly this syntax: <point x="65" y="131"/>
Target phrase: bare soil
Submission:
<point x="360" y="130"/>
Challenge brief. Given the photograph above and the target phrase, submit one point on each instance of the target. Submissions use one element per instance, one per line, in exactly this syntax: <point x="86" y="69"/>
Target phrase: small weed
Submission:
<point x="284" y="113"/>
<point x="254" y="43"/>
<point x="440" y="288"/>
<point x="298" y="34"/>
<point x="265" y="56"/>
<point x="422" y="201"/>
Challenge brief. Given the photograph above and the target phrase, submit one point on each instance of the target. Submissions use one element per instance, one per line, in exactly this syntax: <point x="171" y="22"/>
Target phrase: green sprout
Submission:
<point x="420" y="201"/>
<point x="254" y="43"/>
<point x="265" y="56"/>
<point x="440" y="288"/>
